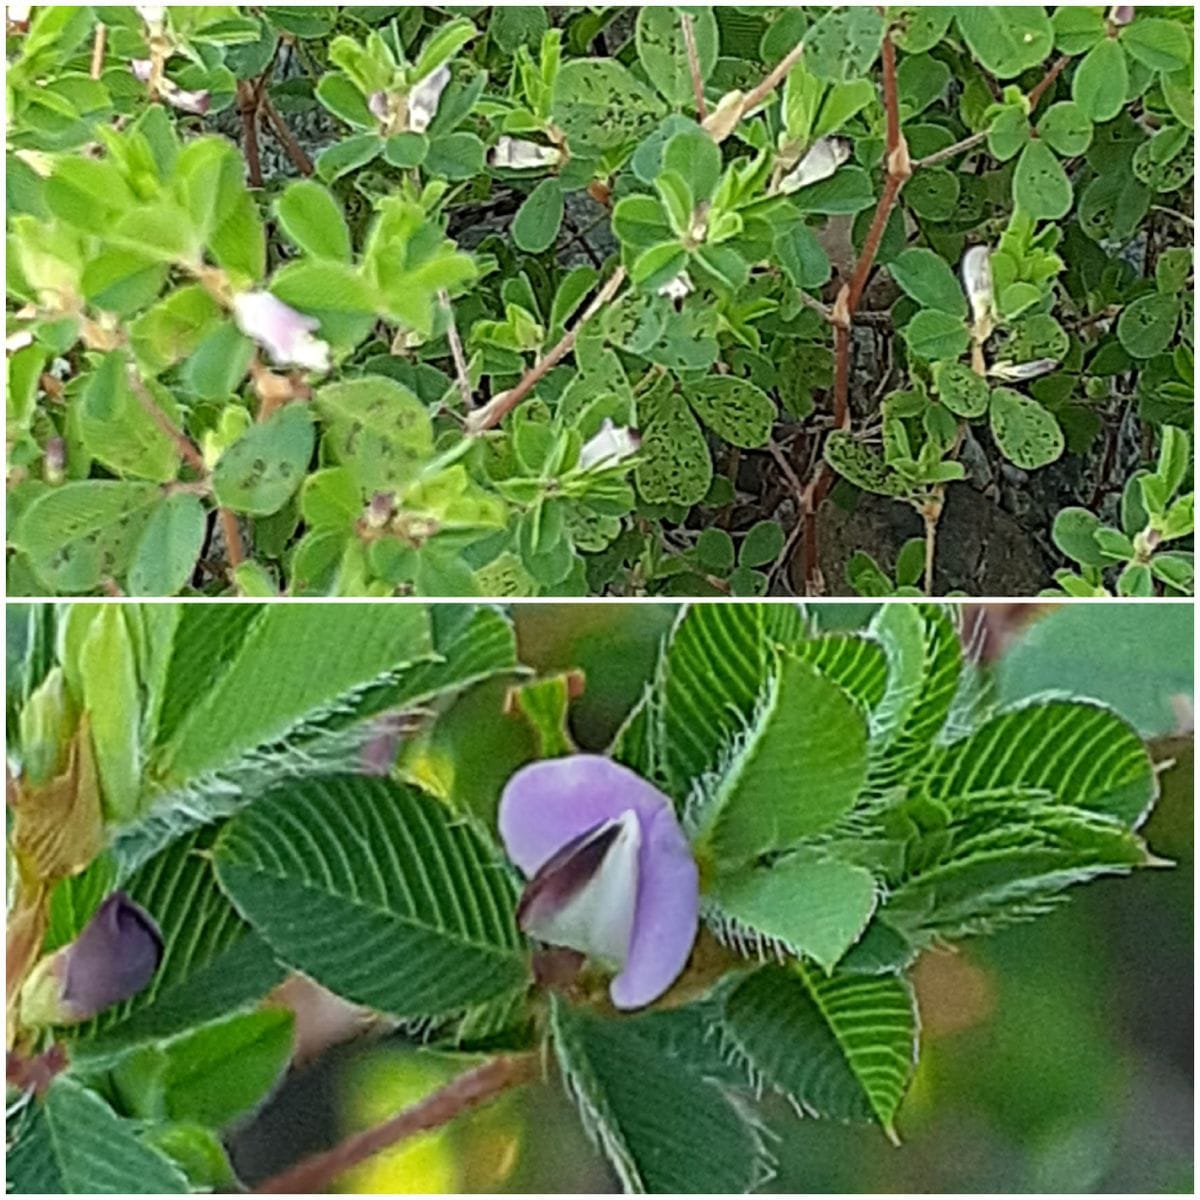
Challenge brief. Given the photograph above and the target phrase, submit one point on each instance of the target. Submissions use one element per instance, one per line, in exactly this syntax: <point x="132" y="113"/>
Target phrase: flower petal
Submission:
<point x="114" y="957"/>
<point x="547" y="804"/>
<point x="585" y="896"/>
<point x="667" y="916"/>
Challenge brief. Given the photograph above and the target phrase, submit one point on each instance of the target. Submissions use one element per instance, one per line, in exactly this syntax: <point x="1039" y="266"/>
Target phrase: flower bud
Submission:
<point x="1015" y="372"/>
<point x="820" y="161"/>
<point x="424" y="97"/>
<point x="55" y="460"/>
<point x="609" y="446"/>
<point x="977" y="283"/>
<point x="114" y="958"/>
<point x="518" y="155"/>
<point x="1120" y="14"/>
<point x="285" y="334"/>
<point x="47" y="726"/>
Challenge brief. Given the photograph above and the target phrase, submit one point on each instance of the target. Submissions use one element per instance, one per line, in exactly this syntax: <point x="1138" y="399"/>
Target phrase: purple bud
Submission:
<point x="55" y="459"/>
<point x="611" y="873"/>
<point x="378" y="105"/>
<point x="114" y="957"/>
<point x="1121" y="14"/>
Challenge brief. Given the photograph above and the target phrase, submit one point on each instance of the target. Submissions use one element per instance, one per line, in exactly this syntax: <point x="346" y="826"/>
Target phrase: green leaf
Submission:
<point x="662" y="50"/>
<point x="933" y="335"/>
<point x="863" y="465"/>
<point x="844" y="43"/>
<point x="379" y="928"/>
<point x="662" y="1127"/>
<point x="313" y="219"/>
<point x="79" y="534"/>
<point x="1008" y="40"/>
<point x="1041" y="188"/>
<point x="806" y="903"/>
<point x="261" y="470"/>
<point x="600" y="106"/>
<point x="738" y="411"/>
<point x="378" y="428"/>
<point x="762" y="544"/>
<point x="217" y="1072"/>
<point x="1066" y="128"/>
<point x="212" y="962"/>
<point x="318" y="658"/>
<point x="348" y="155"/>
<point x="168" y="548"/>
<point x="1147" y="326"/>
<point x="539" y="218"/>
<point x="999" y="858"/>
<point x="74" y="1142"/>
<point x="1027" y="433"/>
<point x="960" y="389"/>
<point x="694" y="157"/>
<point x="674" y="466"/>
<point x="455" y="156"/>
<point x="842" y="1047"/>
<point x="1101" y="82"/>
<point x="1157" y="43"/>
<point x="799" y="767"/>
<point x="929" y="280"/>
<point x="1081" y="754"/>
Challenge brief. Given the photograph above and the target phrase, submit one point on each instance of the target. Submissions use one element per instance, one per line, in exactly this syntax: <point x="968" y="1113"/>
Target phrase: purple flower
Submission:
<point x="610" y="872"/>
<point x="285" y="334"/>
<point x="1121" y="14"/>
<point x="114" y="957"/>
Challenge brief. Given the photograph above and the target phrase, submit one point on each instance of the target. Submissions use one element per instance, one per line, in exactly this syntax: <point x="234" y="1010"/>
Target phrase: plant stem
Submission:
<point x="233" y="538"/>
<point x="295" y="151"/>
<point x="496" y="409"/>
<point x="248" y="111"/>
<point x="456" y="352"/>
<point x="184" y="444"/>
<point x="469" y="1090"/>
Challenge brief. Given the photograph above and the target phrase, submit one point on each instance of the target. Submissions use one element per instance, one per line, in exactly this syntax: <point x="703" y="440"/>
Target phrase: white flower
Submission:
<point x="1014" y="372"/>
<point x="821" y="160"/>
<point x="17" y="14"/>
<point x="424" y="97"/>
<point x="377" y="103"/>
<point x="141" y="69"/>
<point x="285" y="334"/>
<point x="519" y="155"/>
<point x="977" y="282"/>
<point x="678" y="288"/>
<point x="172" y="93"/>
<point x="609" y="446"/>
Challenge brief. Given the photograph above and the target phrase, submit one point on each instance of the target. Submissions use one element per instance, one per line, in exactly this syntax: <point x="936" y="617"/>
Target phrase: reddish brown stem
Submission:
<point x="183" y="443"/>
<point x="248" y="110"/>
<point x="233" y="538"/>
<point x="689" y="41"/>
<point x="295" y="151"/>
<point x="469" y="1090"/>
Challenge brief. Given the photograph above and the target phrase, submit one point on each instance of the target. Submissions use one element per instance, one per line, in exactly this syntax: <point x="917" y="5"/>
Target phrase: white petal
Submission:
<point x="1027" y="370"/>
<point x="141" y="69"/>
<point x="152" y="14"/>
<point x="977" y="281"/>
<point x="678" y="288"/>
<point x="822" y="159"/>
<point x="424" y="97"/>
<point x="285" y="334"/>
<point x="598" y="919"/>
<point x="609" y="446"/>
<point x="518" y="154"/>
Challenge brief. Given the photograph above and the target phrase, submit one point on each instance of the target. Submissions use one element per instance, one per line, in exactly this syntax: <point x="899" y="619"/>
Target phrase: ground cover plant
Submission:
<point x="723" y="905"/>
<point x="587" y="300"/>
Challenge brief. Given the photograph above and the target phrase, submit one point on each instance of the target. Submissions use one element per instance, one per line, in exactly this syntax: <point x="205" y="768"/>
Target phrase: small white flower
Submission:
<point x="519" y="155"/>
<point x="424" y="97"/>
<point x="1015" y="372"/>
<point x="678" y="288"/>
<point x="141" y="69"/>
<point x="152" y="14"/>
<point x="188" y="102"/>
<point x="17" y="14"/>
<point x="609" y="447"/>
<point x="819" y="162"/>
<point x="285" y="334"/>
<point x="977" y="282"/>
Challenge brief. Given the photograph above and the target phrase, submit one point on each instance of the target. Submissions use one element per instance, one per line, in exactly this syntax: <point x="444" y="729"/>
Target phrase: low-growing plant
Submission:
<point x="536" y="300"/>
<point x="723" y="905"/>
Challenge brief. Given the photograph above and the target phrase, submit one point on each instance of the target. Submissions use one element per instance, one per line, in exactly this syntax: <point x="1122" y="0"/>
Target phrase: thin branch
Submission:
<point x="469" y="1090"/>
<point x="295" y="151"/>
<point x="248" y="111"/>
<point x="184" y="444"/>
<point x="1043" y="85"/>
<point x="755" y="97"/>
<point x="693" y="55"/>
<point x="233" y="538"/>
<point x="456" y="352"/>
<point x="498" y="407"/>
<point x="98" y="46"/>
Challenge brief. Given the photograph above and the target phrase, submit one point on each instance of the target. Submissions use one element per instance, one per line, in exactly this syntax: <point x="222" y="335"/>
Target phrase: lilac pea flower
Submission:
<point x="1121" y="14"/>
<point x="285" y="334"/>
<point x="114" y="958"/>
<point x="424" y="98"/>
<point x="610" y="871"/>
<point x="821" y="160"/>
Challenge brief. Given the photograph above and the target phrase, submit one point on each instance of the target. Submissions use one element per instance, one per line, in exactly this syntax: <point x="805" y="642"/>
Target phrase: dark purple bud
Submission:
<point x="114" y="958"/>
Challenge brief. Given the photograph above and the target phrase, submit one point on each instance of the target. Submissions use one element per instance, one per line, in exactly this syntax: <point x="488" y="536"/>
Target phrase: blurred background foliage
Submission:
<point x="1057" y="1056"/>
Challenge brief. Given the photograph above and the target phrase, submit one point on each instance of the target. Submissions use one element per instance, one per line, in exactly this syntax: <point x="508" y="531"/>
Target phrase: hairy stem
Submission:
<point x="468" y="1091"/>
